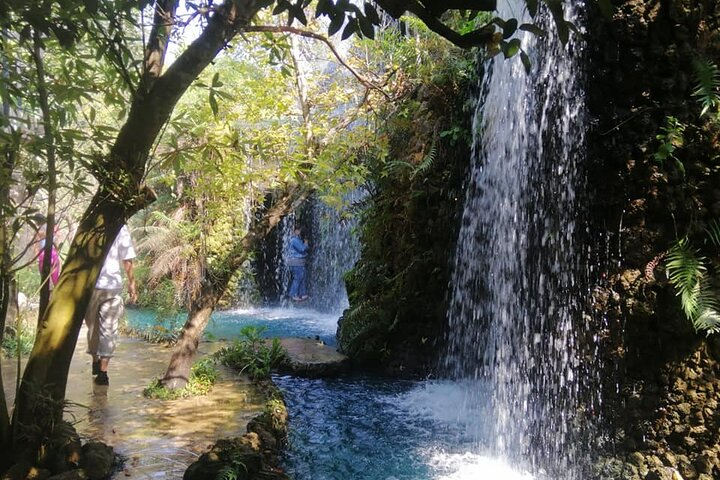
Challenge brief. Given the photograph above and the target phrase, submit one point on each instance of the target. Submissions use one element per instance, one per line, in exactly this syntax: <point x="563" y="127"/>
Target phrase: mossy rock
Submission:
<point x="235" y="455"/>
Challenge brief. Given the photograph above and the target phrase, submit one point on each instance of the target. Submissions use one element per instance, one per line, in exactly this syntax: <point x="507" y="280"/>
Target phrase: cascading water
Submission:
<point x="519" y="281"/>
<point x="335" y="250"/>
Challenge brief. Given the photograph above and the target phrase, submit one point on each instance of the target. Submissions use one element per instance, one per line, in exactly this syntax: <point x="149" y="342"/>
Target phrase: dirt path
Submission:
<point x="158" y="439"/>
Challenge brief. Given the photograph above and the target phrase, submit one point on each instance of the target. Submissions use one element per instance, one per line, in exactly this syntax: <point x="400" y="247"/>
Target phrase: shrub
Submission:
<point x="252" y="354"/>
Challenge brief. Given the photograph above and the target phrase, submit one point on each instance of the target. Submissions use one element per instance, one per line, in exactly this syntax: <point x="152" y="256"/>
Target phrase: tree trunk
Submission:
<point x="215" y="283"/>
<point x="48" y="137"/>
<point x="178" y="371"/>
<point x="9" y="158"/>
<point x="120" y="195"/>
<point x="59" y="325"/>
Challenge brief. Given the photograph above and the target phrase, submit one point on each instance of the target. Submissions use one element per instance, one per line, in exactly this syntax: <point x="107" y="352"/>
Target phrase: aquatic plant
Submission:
<point x="252" y="354"/>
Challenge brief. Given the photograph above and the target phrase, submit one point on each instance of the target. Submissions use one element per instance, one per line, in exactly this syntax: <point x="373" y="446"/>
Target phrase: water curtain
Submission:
<point x="519" y="286"/>
<point x="335" y="249"/>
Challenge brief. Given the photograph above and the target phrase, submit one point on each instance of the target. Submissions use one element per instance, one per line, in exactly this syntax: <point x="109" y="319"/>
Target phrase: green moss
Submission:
<point x="397" y="289"/>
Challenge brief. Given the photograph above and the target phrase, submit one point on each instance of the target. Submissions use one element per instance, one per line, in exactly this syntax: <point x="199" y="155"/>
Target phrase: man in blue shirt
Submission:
<point x="297" y="255"/>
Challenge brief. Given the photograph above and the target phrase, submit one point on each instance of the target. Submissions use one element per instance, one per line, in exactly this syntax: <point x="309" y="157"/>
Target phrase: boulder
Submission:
<point x="234" y="456"/>
<point x="311" y="358"/>
<point x="97" y="460"/>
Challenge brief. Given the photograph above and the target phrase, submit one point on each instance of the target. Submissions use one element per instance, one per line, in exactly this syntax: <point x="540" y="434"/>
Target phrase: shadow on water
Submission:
<point x="159" y="439"/>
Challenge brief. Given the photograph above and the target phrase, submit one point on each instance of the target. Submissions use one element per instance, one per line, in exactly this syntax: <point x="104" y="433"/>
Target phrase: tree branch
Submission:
<point x="326" y="41"/>
<point x="157" y="43"/>
<point x="471" y="39"/>
<point x="149" y="112"/>
<point x="439" y="6"/>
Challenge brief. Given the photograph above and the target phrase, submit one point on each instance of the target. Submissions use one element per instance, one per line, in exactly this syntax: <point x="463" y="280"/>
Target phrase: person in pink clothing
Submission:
<point x="54" y="257"/>
<point x="54" y="265"/>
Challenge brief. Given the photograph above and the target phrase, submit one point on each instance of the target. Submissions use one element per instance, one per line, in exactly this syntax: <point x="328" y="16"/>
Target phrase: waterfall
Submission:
<point x="335" y="249"/>
<point x="519" y="285"/>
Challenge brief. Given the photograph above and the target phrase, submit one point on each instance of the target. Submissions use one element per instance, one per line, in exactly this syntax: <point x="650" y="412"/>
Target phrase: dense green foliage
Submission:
<point x="692" y="272"/>
<point x="252" y="354"/>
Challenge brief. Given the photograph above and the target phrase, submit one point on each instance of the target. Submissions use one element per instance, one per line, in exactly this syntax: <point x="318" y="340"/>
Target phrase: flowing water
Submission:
<point x="515" y="405"/>
<point x="335" y="249"/>
<point x="519" y="280"/>
<point x="158" y="439"/>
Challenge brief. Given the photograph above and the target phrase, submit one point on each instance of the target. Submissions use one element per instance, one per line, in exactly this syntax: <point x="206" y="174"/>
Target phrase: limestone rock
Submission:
<point x="311" y="358"/>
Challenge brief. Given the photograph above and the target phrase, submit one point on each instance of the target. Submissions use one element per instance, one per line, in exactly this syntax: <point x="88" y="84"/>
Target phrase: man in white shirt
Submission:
<point x="106" y="304"/>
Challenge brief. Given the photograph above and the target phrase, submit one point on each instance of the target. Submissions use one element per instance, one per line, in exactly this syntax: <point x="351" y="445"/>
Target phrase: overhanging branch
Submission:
<point x="326" y="41"/>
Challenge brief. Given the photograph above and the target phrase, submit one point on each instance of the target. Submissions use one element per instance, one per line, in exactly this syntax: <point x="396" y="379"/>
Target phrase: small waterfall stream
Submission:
<point x="335" y="250"/>
<point x="520" y="281"/>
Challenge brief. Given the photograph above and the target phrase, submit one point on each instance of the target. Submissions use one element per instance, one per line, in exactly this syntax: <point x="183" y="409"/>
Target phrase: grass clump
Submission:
<point x="14" y="344"/>
<point x="252" y="354"/>
<point x="203" y="376"/>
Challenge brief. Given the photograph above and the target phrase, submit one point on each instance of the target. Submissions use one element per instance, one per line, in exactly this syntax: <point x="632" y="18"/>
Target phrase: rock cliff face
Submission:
<point x="398" y="288"/>
<point x="665" y="417"/>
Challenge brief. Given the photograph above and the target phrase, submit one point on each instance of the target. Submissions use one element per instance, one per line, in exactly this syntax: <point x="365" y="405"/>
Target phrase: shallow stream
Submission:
<point x="366" y="427"/>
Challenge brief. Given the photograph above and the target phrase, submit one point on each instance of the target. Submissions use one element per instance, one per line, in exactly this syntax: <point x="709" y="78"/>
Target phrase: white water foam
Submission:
<point x="471" y="466"/>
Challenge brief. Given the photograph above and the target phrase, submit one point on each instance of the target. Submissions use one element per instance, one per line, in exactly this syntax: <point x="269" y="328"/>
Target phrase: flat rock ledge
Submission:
<point x="311" y="358"/>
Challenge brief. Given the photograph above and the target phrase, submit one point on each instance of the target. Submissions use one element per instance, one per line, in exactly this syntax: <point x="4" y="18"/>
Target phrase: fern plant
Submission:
<point x="687" y="272"/>
<point x="707" y="76"/>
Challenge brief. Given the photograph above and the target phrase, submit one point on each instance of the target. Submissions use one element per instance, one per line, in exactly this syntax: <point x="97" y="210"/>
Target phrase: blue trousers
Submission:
<point x="297" y="285"/>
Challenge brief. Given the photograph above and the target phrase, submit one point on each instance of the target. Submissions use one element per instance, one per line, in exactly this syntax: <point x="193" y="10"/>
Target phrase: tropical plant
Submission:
<point x="707" y="93"/>
<point x="688" y="272"/>
<point x="671" y="138"/>
<point x="171" y="243"/>
<point x="252" y="354"/>
<point x="707" y="88"/>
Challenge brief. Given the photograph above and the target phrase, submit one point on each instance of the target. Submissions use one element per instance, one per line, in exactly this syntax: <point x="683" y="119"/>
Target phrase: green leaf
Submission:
<point x="336" y="24"/>
<point x="526" y="61"/>
<point x="366" y="27"/>
<point x="324" y="7"/>
<point x="281" y="6"/>
<point x="213" y="103"/>
<point x="371" y="13"/>
<point x="499" y="22"/>
<point x="350" y="28"/>
<point x="510" y="28"/>
<point x="532" y="6"/>
<point x="556" y="9"/>
<point x="713" y="232"/>
<point x="532" y="28"/>
<point x="511" y="48"/>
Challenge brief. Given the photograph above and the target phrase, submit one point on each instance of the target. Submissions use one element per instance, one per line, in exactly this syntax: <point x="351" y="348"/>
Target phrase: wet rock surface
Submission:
<point x="661" y="401"/>
<point x="311" y="358"/>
